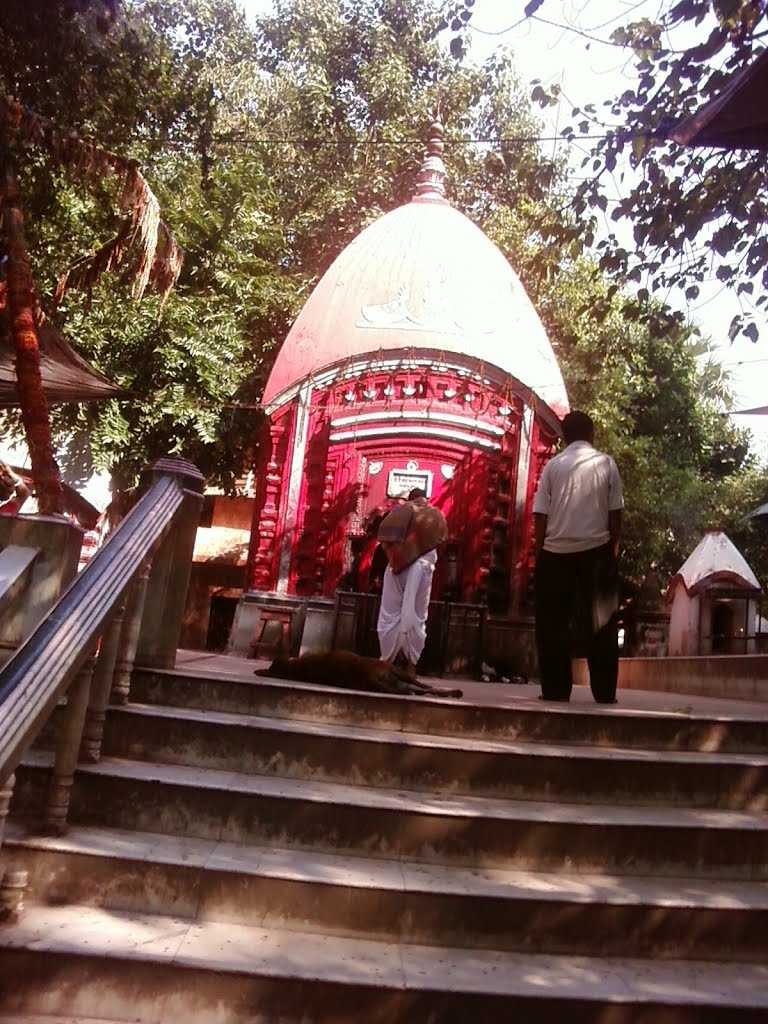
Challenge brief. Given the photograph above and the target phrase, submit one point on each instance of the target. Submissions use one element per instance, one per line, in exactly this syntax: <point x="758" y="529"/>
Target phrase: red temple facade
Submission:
<point x="418" y="360"/>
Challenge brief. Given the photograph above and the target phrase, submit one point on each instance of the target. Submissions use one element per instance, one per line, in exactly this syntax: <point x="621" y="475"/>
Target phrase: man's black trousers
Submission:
<point x="577" y="595"/>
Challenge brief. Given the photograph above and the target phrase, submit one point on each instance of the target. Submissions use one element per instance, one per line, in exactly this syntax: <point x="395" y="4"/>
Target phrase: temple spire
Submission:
<point x="430" y="182"/>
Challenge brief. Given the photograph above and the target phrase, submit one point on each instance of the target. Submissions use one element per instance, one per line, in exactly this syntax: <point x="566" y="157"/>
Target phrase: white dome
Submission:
<point x="421" y="277"/>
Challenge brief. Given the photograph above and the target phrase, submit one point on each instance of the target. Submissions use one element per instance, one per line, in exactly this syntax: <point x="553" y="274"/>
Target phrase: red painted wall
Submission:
<point x="344" y="481"/>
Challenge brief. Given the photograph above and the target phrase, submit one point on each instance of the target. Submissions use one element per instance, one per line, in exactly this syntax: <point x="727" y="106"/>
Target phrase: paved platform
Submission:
<point x="212" y="665"/>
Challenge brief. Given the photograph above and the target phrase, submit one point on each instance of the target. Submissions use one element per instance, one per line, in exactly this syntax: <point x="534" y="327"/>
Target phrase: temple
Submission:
<point x="417" y="361"/>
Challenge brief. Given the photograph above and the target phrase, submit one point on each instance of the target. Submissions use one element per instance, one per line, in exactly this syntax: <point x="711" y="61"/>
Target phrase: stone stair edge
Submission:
<point x="241" y="950"/>
<point x="38" y="1018"/>
<point x="300" y="865"/>
<point x="514" y="707"/>
<point x="439" y="741"/>
<point x="379" y="798"/>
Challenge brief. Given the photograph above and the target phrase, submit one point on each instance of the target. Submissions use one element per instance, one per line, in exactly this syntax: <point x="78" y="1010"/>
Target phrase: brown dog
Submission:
<point x="351" y="672"/>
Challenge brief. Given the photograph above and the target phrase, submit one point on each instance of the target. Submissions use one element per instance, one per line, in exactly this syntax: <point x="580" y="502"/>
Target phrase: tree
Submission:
<point x="157" y="263"/>
<point x="266" y="163"/>
<point x="695" y="213"/>
<point x="270" y="148"/>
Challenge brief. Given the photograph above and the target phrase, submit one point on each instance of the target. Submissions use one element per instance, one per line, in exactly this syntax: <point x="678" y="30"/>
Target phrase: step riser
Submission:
<point x="420" y="918"/>
<point x="543" y="724"/>
<point x="157" y="993"/>
<point x="169" y="808"/>
<point x="525" y="776"/>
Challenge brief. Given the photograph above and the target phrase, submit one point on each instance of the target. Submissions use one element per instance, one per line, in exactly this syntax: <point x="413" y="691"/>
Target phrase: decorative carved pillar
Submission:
<point x="539" y="453"/>
<point x="67" y="749"/>
<point x="295" y="466"/>
<point x="307" y="564"/>
<point x="264" y="541"/>
<point x="130" y="631"/>
<point x="329" y="479"/>
<point x="522" y="527"/>
<point x="103" y="677"/>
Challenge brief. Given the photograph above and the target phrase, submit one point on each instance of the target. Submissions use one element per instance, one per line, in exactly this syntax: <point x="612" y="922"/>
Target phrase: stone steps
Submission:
<point x="97" y="963"/>
<point x="522" y="834"/>
<point x="458" y="764"/>
<point x="251" y="851"/>
<point x="397" y="901"/>
<point x="524" y="720"/>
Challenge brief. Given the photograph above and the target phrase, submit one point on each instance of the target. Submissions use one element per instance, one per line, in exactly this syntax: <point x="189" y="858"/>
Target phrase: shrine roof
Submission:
<point x="422" y="277"/>
<point x="715" y="559"/>
<point x="736" y="118"/>
<point x="66" y="376"/>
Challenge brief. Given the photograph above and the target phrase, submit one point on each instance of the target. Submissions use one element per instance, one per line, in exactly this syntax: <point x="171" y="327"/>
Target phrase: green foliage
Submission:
<point x="270" y="148"/>
<point x="696" y="213"/>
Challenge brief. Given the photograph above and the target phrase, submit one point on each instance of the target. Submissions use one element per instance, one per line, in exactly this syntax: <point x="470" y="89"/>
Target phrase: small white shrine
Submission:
<point x="715" y="601"/>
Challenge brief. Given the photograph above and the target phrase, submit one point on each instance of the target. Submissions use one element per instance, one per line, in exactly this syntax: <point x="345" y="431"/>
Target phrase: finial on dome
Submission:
<point x="430" y="182"/>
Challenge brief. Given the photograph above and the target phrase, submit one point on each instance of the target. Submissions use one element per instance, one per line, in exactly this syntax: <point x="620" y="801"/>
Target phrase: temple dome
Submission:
<point x="422" y="277"/>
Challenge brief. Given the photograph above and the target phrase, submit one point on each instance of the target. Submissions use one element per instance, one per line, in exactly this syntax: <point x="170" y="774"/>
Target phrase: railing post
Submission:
<point x="6" y="792"/>
<point x="10" y="895"/>
<point x="172" y="567"/>
<point x="67" y="749"/>
<point x="129" y="636"/>
<point x="103" y="676"/>
<point x="13" y="881"/>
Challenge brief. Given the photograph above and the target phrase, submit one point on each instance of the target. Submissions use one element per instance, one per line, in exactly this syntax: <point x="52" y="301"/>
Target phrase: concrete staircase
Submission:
<point x="255" y="851"/>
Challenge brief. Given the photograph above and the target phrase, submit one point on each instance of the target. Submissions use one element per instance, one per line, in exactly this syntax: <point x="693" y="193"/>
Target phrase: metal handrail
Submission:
<point x="42" y="669"/>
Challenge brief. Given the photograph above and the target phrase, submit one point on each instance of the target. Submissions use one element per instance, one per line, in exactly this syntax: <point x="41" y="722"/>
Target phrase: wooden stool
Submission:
<point x="282" y="617"/>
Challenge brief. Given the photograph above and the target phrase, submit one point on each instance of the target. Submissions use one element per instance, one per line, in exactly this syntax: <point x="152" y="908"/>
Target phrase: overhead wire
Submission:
<point x="461" y="141"/>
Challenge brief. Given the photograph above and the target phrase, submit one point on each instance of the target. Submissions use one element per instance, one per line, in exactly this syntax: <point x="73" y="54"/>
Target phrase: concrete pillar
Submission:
<point x="59" y="542"/>
<point x="171" y="569"/>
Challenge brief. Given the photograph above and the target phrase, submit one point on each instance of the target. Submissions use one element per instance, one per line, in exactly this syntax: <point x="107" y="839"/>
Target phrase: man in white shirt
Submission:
<point x="577" y="518"/>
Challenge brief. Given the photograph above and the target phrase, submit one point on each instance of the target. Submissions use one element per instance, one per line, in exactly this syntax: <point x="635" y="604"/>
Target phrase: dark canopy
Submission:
<point x="758" y="410"/>
<point x="737" y="118"/>
<point x="67" y="377"/>
<point x="759" y="513"/>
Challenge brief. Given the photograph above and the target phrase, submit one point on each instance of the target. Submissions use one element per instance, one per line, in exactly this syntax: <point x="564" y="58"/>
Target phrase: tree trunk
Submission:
<point x="20" y="306"/>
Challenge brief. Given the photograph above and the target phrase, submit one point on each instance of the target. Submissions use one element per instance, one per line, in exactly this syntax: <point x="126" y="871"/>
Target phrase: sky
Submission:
<point x="589" y="72"/>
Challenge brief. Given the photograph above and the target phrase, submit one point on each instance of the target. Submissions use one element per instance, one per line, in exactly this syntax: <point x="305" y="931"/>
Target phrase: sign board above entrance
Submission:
<point x="401" y="482"/>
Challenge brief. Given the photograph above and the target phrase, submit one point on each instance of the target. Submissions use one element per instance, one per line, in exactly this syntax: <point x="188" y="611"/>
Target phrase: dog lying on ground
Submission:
<point x="350" y="671"/>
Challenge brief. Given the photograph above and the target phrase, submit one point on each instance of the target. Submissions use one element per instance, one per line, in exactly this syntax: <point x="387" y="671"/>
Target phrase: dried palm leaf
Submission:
<point x="157" y="258"/>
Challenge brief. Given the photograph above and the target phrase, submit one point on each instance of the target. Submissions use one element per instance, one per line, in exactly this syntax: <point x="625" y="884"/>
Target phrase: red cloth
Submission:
<point x="10" y="508"/>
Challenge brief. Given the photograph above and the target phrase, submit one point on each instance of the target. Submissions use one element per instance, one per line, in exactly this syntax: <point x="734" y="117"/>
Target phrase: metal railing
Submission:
<point x="108" y="618"/>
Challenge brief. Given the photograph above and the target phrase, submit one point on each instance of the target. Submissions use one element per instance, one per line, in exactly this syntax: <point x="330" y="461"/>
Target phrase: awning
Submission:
<point x="67" y="377"/>
<point x="759" y="513"/>
<point x="759" y="410"/>
<point x="737" y="118"/>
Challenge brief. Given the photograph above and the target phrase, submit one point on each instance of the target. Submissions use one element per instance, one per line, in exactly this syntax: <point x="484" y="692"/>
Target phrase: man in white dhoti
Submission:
<point x="402" y="623"/>
<point x="409" y="536"/>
